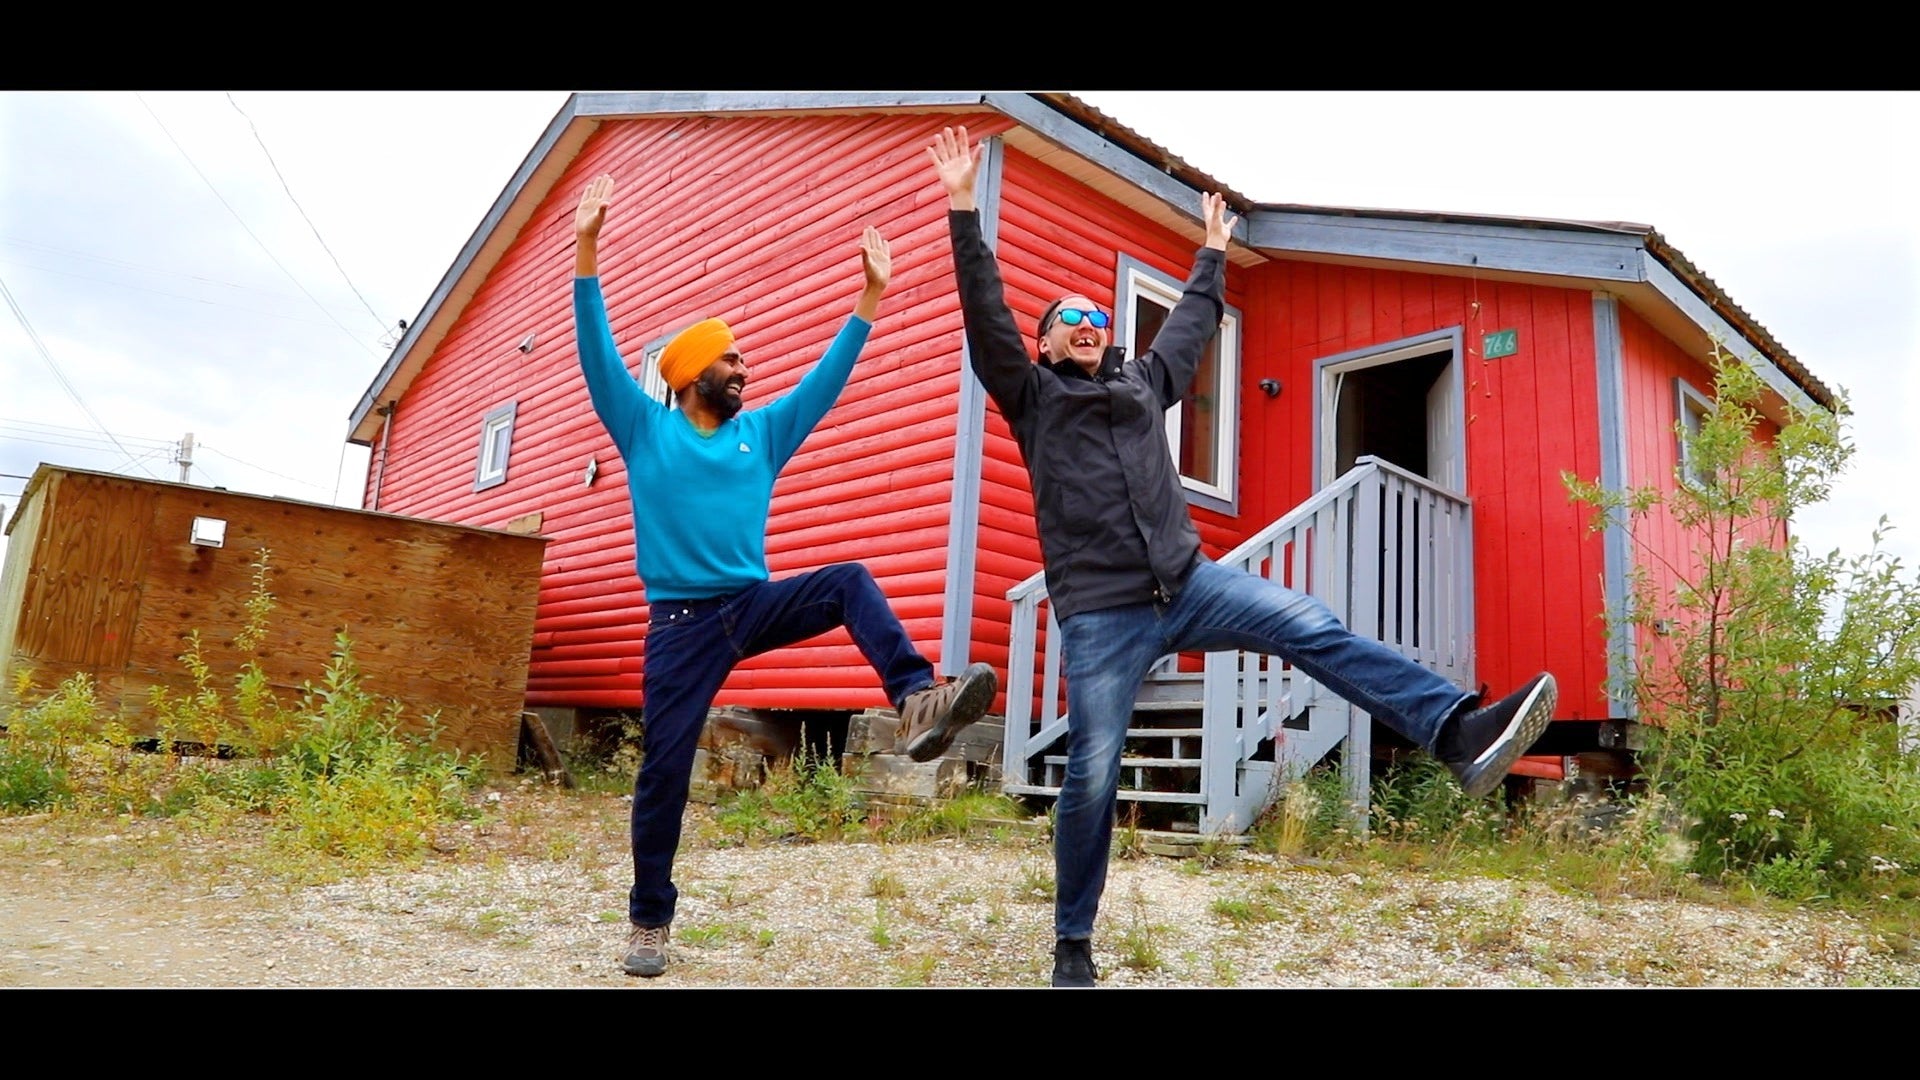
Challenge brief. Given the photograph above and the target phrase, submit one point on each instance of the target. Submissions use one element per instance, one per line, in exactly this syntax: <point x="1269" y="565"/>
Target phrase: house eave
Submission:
<point x="1077" y="139"/>
<point x="1614" y="257"/>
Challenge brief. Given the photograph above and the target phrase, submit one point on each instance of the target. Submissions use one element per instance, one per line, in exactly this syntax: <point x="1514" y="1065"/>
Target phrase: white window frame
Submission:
<point x="1690" y="408"/>
<point x="652" y="383"/>
<point x="1137" y="281"/>
<point x="496" y="429"/>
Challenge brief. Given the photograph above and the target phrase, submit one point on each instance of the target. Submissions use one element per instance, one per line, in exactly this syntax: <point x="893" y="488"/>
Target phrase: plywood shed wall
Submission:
<point x="110" y="575"/>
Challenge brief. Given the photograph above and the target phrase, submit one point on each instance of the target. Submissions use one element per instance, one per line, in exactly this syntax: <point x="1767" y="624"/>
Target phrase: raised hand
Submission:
<point x="957" y="163"/>
<point x="1213" y="206"/>
<point x="876" y="259"/>
<point x="592" y="212"/>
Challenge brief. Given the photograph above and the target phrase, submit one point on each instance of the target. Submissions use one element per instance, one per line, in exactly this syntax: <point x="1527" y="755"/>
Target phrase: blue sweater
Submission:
<point x="700" y="502"/>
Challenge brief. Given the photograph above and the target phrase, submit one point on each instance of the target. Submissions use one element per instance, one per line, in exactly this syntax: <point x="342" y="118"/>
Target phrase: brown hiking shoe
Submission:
<point x="932" y="717"/>
<point x="647" y="951"/>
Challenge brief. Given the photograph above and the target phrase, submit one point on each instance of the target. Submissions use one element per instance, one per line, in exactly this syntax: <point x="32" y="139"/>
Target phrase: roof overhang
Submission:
<point x="1065" y="134"/>
<point x="1619" y="259"/>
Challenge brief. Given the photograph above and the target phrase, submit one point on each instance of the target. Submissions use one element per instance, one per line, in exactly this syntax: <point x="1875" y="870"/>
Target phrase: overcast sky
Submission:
<point x="233" y="265"/>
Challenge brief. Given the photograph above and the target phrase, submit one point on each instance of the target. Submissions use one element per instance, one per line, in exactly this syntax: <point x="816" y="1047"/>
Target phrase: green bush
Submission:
<point x="336" y="772"/>
<point x="1766" y="671"/>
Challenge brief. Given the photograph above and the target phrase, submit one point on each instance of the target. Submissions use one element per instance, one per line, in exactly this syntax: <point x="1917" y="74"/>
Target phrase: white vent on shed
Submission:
<point x="209" y="532"/>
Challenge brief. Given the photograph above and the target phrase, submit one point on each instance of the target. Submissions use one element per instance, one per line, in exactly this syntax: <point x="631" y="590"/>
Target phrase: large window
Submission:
<point x="1202" y="428"/>
<point x="496" y="439"/>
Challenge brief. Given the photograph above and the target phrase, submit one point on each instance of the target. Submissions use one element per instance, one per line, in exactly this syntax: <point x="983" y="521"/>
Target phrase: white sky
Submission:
<point x="232" y="265"/>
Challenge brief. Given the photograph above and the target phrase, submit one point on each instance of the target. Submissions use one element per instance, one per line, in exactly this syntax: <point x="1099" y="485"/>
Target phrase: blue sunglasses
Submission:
<point x="1072" y="317"/>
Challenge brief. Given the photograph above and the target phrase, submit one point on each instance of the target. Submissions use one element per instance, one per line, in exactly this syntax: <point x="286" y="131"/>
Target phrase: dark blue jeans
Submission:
<point x="691" y="648"/>
<point x="1107" y="656"/>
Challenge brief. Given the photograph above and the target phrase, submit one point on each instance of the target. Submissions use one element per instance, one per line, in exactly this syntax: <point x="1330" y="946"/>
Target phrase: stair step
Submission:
<point x="1169" y="705"/>
<point x="1164" y="732"/>
<point x="1191" y="798"/>
<point x="1137" y="762"/>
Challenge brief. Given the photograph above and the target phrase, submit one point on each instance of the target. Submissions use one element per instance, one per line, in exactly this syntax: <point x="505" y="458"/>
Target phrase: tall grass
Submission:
<point x="335" y="771"/>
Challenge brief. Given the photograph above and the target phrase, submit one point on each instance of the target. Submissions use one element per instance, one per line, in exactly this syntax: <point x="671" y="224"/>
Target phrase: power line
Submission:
<point x="303" y="212"/>
<point x="243" y="225"/>
<point x="77" y="444"/>
<point x="174" y="295"/>
<point x="251" y="465"/>
<point x="60" y="376"/>
<point x="140" y="267"/>
<point x="30" y="426"/>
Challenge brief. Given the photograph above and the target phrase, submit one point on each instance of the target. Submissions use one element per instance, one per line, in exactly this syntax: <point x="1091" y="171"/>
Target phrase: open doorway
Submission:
<point x="1401" y="402"/>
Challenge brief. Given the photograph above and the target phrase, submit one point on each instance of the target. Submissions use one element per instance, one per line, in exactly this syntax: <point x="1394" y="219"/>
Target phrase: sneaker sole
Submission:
<point x="1528" y="723"/>
<point x="645" y="969"/>
<point x="977" y="687"/>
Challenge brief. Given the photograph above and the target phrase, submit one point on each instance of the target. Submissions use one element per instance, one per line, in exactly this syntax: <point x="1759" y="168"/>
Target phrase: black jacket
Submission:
<point x="1114" y="526"/>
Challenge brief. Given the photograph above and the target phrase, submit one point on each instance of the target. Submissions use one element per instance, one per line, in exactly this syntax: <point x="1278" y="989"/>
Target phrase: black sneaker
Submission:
<point x="1484" y="744"/>
<point x="647" y="951"/>
<point x="1073" y="962"/>
<point x="932" y="717"/>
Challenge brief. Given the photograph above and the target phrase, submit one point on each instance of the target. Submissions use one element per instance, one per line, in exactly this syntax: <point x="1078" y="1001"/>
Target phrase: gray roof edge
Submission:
<point x="475" y="241"/>
<point x="604" y="106"/>
<point x="1717" y="314"/>
<point x="1079" y="128"/>
<point x="613" y="105"/>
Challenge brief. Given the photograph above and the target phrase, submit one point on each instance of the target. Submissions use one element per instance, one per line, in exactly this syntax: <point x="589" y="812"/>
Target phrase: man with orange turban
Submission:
<point x="701" y="480"/>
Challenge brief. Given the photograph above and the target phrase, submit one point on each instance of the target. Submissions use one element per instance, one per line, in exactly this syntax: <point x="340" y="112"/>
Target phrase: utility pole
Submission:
<point x="186" y="456"/>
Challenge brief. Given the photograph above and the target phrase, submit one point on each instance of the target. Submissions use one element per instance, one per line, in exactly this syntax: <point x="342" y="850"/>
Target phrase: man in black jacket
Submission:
<point x="1125" y="573"/>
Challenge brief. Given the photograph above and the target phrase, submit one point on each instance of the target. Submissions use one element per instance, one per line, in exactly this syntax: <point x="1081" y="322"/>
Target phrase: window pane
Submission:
<point x="1200" y="420"/>
<point x="1148" y="315"/>
<point x="496" y="448"/>
<point x="1199" y="408"/>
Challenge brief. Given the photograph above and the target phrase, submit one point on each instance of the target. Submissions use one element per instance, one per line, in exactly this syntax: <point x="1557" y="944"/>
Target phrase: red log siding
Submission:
<point x="1528" y="417"/>
<point x="1650" y="363"/>
<point x="755" y="220"/>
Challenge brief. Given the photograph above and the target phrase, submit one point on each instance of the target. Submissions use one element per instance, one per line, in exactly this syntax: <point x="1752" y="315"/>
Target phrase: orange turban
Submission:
<point x="693" y="351"/>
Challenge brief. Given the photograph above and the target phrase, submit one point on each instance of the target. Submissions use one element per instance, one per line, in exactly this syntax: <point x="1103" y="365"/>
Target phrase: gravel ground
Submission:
<point x="536" y="899"/>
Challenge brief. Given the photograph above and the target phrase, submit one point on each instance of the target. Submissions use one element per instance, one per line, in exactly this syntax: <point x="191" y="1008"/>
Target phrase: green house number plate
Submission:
<point x="1500" y="343"/>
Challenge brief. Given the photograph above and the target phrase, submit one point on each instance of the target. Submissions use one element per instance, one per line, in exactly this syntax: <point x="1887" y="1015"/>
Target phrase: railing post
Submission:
<point x="1362" y="573"/>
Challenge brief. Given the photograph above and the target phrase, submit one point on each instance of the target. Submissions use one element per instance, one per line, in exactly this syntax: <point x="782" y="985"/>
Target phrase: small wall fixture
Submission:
<point x="1270" y="387"/>
<point x="209" y="532"/>
<point x="526" y="343"/>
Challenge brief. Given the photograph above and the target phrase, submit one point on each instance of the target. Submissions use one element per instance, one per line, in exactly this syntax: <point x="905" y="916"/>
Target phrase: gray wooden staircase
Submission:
<point x="1214" y="739"/>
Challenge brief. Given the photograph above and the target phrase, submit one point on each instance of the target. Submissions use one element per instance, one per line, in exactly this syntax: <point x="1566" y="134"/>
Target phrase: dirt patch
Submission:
<point x="536" y="898"/>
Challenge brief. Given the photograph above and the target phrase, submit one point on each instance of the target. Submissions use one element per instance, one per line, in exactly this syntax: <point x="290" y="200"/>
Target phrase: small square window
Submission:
<point x="496" y="439"/>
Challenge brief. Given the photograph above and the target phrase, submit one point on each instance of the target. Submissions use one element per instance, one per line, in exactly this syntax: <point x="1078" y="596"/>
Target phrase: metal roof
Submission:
<point x="1151" y="177"/>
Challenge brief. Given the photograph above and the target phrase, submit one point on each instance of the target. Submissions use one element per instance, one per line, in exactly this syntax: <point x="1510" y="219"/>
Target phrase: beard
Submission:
<point x="713" y="391"/>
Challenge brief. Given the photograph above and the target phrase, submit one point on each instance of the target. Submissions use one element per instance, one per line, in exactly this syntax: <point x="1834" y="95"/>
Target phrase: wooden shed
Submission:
<point x="109" y="575"/>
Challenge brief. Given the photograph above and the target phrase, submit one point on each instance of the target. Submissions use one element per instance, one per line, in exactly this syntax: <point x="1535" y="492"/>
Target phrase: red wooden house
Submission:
<point x="1384" y="420"/>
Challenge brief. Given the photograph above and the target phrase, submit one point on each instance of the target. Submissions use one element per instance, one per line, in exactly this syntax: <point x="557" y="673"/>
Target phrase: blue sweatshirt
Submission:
<point x="700" y="502"/>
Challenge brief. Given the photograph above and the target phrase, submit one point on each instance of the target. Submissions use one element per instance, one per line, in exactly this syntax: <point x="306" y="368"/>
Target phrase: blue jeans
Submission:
<point x="691" y="648"/>
<point x="1107" y="656"/>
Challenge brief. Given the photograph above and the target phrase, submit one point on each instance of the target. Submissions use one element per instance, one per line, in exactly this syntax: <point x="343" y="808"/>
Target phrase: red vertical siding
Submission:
<point x="1538" y="574"/>
<point x="1650" y="364"/>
